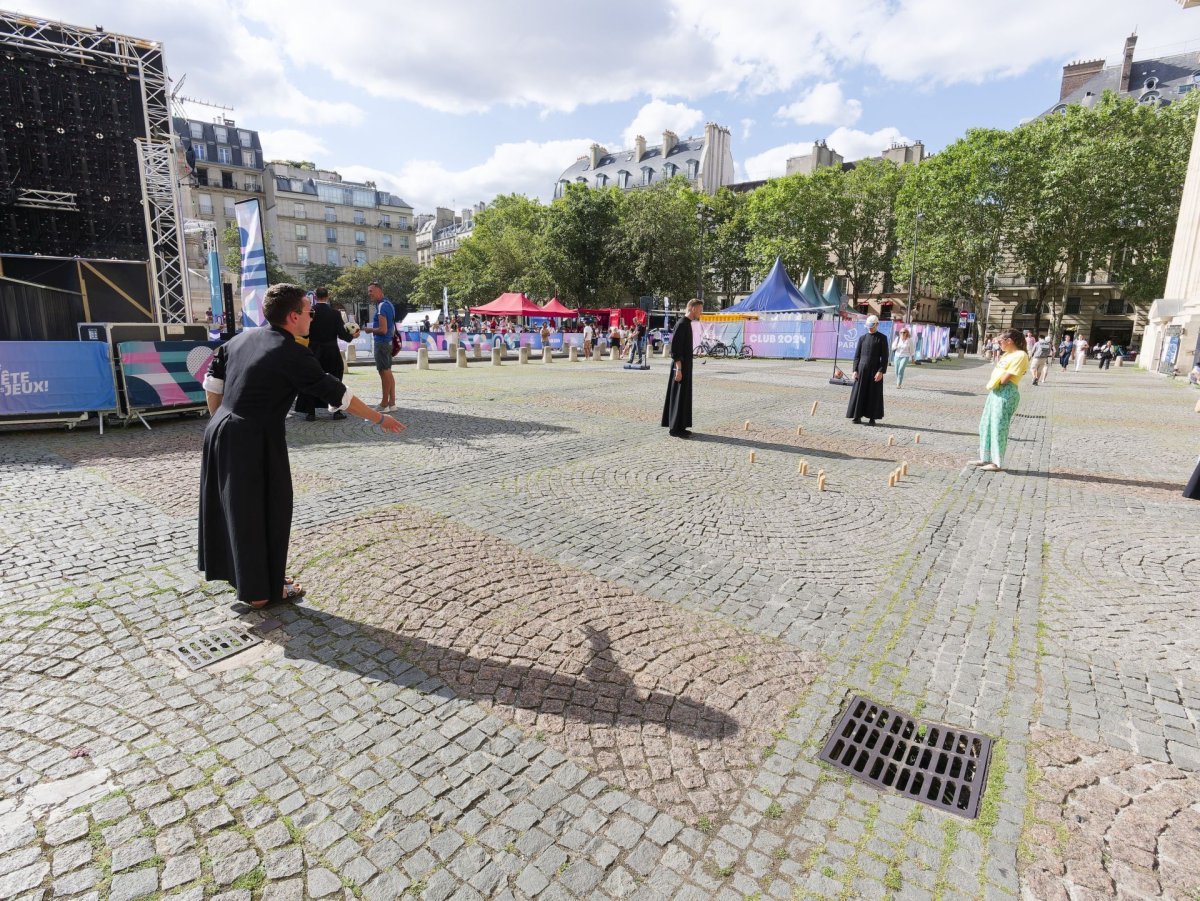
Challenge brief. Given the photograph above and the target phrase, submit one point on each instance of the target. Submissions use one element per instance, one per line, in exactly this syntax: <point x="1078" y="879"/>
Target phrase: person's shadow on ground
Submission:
<point x="602" y="693"/>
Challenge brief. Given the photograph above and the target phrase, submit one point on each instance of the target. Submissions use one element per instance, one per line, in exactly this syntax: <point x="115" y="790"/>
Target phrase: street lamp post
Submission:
<point x="702" y="224"/>
<point x="912" y="275"/>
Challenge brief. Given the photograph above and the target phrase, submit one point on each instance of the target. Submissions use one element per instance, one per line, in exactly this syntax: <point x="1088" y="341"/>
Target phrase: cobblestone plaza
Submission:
<point x="548" y="652"/>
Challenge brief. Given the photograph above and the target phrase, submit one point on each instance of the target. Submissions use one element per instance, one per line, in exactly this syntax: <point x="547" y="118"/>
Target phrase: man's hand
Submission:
<point x="679" y="375"/>
<point x="879" y="376"/>
<point x="388" y="424"/>
<point x="854" y="376"/>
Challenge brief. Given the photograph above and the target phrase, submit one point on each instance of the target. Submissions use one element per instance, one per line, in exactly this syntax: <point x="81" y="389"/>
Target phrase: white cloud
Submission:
<point x="526" y="167"/>
<point x="851" y="143"/>
<point x="291" y="144"/>
<point x="747" y="127"/>
<point x="656" y="117"/>
<point x="823" y="105"/>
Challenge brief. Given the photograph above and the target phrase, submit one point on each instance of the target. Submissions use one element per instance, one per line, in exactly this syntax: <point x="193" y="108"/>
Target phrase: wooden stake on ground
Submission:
<point x="746" y="427"/>
<point x="892" y="479"/>
<point x="751" y="456"/>
<point x="891" y="440"/>
<point x="800" y="467"/>
<point x="814" y="408"/>
<point x="821" y="482"/>
<point x="917" y="439"/>
<point x="903" y="467"/>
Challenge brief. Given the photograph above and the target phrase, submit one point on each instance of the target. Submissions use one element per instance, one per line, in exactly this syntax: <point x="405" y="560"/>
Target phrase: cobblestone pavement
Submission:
<point x="547" y="652"/>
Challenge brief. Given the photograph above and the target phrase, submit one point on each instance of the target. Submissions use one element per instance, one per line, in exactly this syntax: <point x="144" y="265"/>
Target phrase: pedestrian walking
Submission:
<point x="1002" y="401"/>
<point x="245" y="480"/>
<point x="1040" y="359"/>
<point x="903" y="350"/>
<point x="1107" y="352"/>
<point x="677" y="408"/>
<point x="1064" y="352"/>
<point x="588" y="332"/>
<point x="870" y="363"/>
<point x="1081" y="349"/>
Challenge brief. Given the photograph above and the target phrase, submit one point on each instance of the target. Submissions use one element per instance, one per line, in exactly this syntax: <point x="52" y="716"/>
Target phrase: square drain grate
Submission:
<point x="204" y="650"/>
<point x="935" y="764"/>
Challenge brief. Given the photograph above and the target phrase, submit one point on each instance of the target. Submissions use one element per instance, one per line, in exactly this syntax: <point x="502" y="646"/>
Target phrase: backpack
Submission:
<point x="395" y="342"/>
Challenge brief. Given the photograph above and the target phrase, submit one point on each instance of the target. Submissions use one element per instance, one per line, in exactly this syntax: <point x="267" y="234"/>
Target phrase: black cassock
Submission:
<point x="870" y="357"/>
<point x="245" y="478"/>
<point x="1193" y="486"/>
<point x="677" y="408"/>
<point x="323" y="334"/>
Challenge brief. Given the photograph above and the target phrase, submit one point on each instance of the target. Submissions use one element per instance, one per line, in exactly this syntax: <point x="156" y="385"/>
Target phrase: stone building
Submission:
<point x="441" y="234"/>
<point x="823" y="156"/>
<point x="315" y="216"/>
<point x="705" y="161"/>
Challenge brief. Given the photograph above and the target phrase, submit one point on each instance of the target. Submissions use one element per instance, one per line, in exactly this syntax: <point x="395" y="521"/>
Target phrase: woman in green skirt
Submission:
<point x="1002" y="400"/>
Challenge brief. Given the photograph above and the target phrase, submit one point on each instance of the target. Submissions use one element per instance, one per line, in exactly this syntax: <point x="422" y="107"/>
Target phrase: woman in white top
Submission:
<point x="903" y="349"/>
<point x="1081" y="349"/>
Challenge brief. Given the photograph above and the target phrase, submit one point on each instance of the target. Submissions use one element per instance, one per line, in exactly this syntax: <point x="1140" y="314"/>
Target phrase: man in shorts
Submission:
<point x="385" y="326"/>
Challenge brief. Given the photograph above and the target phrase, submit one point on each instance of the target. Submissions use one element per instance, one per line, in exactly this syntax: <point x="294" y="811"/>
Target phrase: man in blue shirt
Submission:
<point x="384" y="328"/>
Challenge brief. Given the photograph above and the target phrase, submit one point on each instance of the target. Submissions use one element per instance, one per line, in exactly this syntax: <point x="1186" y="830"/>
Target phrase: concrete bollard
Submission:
<point x="422" y="357"/>
<point x="351" y="354"/>
<point x="573" y="354"/>
<point x="452" y="347"/>
<point x="462" y="357"/>
<point x="523" y="355"/>
<point x="596" y="353"/>
<point x="478" y="351"/>
<point x="666" y="350"/>
<point x="614" y="354"/>
<point x="497" y="356"/>
<point x="547" y="355"/>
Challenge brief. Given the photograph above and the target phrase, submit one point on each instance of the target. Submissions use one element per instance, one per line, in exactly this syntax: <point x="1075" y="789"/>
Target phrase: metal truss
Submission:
<point x="156" y="152"/>
<point x="46" y="200"/>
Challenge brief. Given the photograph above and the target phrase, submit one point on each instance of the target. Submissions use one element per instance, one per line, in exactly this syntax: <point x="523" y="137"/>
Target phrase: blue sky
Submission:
<point x="450" y="104"/>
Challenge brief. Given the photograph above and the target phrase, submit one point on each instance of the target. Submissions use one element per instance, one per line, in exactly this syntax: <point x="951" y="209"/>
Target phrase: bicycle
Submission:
<point x="720" y="350"/>
<point x="705" y="348"/>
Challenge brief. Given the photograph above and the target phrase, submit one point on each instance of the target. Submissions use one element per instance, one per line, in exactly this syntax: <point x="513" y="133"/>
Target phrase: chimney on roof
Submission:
<point x="670" y="139"/>
<point x="597" y="153"/>
<point x="1076" y="74"/>
<point x="1127" y="64"/>
<point x="639" y="147"/>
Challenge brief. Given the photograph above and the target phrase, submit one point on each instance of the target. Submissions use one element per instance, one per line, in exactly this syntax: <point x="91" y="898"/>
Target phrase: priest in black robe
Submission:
<point x="677" y="408"/>
<point x="327" y="327"/>
<point x="245" y="478"/>
<point x="870" y="363"/>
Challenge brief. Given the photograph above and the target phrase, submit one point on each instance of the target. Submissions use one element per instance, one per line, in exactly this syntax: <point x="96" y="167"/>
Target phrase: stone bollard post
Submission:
<point x="573" y="354"/>
<point x="614" y="354"/>
<point x="462" y="357"/>
<point x="478" y="351"/>
<point x="596" y="353"/>
<point x="422" y="357"/>
<point x="452" y="347"/>
<point x="523" y="355"/>
<point x="666" y="350"/>
<point x="547" y="355"/>
<point x="497" y="356"/>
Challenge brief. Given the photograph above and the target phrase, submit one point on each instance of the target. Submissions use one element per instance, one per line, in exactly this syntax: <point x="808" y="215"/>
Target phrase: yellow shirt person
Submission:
<point x="1015" y="362"/>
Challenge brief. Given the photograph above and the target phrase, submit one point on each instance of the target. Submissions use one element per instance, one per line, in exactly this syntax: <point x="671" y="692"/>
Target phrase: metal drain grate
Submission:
<point x="204" y="650"/>
<point x="935" y="764"/>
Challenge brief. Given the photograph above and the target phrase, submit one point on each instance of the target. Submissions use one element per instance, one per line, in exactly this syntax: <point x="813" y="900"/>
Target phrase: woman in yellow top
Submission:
<point x="1002" y="400"/>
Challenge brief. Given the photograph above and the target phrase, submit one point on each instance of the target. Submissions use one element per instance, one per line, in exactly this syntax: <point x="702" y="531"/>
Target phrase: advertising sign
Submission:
<point x="254" y="262"/>
<point x="164" y="373"/>
<point x="55" y="377"/>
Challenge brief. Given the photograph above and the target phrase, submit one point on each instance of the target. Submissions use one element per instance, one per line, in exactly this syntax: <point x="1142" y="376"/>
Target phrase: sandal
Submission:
<point x="292" y="591"/>
<point x="990" y="467"/>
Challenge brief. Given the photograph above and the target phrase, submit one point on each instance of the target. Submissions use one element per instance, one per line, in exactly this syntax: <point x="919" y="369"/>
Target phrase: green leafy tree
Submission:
<point x="580" y="246"/>
<point x="321" y="275"/>
<point x="786" y="218"/>
<point x="395" y="275"/>
<point x="427" y="287"/>
<point x="657" y="243"/>
<point x="727" y="242"/>
<point x="503" y="253"/>
<point x="859" y="206"/>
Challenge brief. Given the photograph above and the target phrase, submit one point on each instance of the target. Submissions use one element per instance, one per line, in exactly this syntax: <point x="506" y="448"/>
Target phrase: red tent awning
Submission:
<point x="553" y="308"/>
<point x="510" y="305"/>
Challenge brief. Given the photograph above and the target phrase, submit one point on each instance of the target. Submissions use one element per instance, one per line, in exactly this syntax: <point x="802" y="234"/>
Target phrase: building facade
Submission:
<point x="315" y="216"/>
<point x="705" y="161"/>
<point x="441" y="234"/>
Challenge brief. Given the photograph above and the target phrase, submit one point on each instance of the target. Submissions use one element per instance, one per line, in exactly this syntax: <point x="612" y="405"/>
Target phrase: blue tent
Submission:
<point x="834" y="296"/>
<point x="810" y="294"/>
<point x="778" y="293"/>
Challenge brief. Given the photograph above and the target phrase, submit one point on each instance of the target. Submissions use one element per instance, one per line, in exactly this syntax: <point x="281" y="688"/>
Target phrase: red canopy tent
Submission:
<point x="510" y="305"/>
<point x="553" y="308"/>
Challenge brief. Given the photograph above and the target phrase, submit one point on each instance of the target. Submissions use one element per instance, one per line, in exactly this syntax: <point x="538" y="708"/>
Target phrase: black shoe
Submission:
<point x="684" y="434"/>
<point x="339" y="415"/>
<point x="310" y="417"/>
<point x="857" y="420"/>
<point x="1035" y="381"/>
<point x="871" y="422"/>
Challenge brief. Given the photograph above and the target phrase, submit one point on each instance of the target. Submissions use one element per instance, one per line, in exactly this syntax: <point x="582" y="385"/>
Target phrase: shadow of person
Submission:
<point x="710" y="438"/>
<point x="600" y="693"/>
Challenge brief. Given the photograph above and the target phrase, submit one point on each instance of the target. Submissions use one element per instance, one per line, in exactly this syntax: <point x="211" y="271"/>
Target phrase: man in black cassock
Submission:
<point x="870" y="363"/>
<point x="327" y="326"/>
<point x="245" y="479"/>
<point x="677" y="408"/>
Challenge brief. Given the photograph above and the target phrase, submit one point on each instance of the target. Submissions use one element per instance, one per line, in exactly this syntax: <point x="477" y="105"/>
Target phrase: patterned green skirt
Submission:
<point x="998" y="412"/>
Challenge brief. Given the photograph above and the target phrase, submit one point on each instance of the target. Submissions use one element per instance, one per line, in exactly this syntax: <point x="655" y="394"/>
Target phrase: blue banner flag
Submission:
<point x="55" y="377"/>
<point x="254" y="262"/>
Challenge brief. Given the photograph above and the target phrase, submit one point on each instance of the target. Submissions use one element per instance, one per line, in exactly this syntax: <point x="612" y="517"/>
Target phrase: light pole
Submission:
<point x="701" y="223"/>
<point x="912" y="275"/>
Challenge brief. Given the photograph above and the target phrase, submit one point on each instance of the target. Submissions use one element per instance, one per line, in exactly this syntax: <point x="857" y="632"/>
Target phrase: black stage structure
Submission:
<point x="89" y="197"/>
